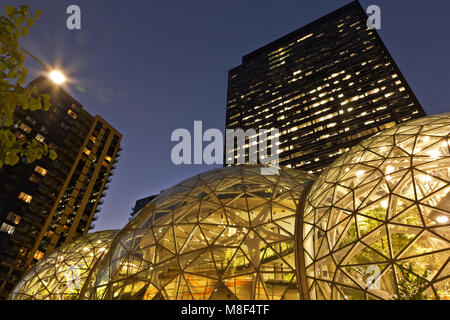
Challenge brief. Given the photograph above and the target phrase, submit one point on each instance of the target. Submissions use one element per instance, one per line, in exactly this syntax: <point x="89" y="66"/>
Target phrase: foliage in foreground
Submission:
<point x="13" y="95"/>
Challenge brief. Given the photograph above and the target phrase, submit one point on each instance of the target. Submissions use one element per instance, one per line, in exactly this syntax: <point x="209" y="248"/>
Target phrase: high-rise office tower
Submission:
<point x="325" y="87"/>
<point x="47" y="203"/>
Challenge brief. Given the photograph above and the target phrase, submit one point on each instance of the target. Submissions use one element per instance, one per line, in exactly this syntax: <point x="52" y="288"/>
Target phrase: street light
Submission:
<point x="56" y="76"/>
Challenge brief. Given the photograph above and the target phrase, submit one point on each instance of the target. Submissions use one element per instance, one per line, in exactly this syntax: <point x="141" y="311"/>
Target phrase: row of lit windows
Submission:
<point x="372" y="91"/>
<point x="7" y="228"/>
<point x="340" y="151"/>
<point x="25" y="197"/>
<point x="352" y="54"/>
<point x="322" y="102"/>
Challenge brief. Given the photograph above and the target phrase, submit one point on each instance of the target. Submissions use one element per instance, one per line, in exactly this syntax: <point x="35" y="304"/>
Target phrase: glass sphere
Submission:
<point x="224" y="234"/>
<point x="377" y="222"/>
<point x="62" y="274"/>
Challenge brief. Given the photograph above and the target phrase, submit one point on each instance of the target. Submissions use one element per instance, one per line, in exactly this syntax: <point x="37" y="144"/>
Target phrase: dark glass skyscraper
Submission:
<point x="47" y="203"/>
<point x="326" y="87"/>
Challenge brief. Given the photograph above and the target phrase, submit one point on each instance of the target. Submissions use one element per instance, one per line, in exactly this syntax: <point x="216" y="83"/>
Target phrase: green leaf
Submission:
<point x="30" y="22"/>
<point x="10" y="10"/>
<point x="24" y="9"/>
<point x="25" y="31"/>
<point x="12" y="74"/>
<point x="47" y="104"/>
<point x="52" y="154"/>
<point x="11" y="159"/>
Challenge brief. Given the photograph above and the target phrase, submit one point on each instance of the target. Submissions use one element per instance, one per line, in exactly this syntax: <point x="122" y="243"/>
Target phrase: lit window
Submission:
<point x="30" y="120"/>
<point x="25" y="197"/>
<point x="40" y="137"/>
<point x="38" y="255"/>
<point x="72" y="114"/>
<point x="7" y="228"/>
<point x="87" y="151"/>
<point x="19" y="135"/>
<point x="40" y="170"/>
<point x="14" y="218"/>
<point x="25" y="128"/>
<point x="23" y="251"/>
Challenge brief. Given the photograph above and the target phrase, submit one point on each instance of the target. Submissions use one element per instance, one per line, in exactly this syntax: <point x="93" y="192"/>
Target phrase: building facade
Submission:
<point x="47" y="203"/>
<point x="326" y="87"/>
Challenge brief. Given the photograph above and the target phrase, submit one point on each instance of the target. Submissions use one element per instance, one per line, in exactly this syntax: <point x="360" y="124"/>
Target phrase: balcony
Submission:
<point x="8" y="262"/>
<point x="32" y="219"/>
<point x="10" y="253"/>
<point x="55" y="176"/>
<point x="50" y="183"/>
<point x="21" y="229"/>
<point x="40" y="214"/>
<point x="63" y="170"/>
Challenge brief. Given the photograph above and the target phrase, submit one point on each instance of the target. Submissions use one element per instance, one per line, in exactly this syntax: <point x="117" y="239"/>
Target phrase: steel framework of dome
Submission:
<point x="224" y="234"/>
<point x="62" y="274"/>
<point x="376" y="222"/>
<point x="374" y="225"/>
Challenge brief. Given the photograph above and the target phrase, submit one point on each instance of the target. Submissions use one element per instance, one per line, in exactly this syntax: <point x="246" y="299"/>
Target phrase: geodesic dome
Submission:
<point x="374" y="225"/>
<point x="376" y="222"/>
<point x="62" y="274"/>
<point x="224" y="234"/>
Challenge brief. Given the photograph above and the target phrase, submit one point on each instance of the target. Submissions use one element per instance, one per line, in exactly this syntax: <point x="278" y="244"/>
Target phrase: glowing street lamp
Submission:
<point x="56" y="76"/>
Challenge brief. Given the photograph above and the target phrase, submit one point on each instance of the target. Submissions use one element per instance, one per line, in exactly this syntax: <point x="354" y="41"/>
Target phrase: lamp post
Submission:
<point x="55" y="75"/>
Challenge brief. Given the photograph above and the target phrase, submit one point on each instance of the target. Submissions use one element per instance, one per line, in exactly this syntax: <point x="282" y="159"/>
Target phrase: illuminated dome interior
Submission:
<point x="62" y="274"/>
<point x="224" y="234"/>
<point x="376" y="223"/>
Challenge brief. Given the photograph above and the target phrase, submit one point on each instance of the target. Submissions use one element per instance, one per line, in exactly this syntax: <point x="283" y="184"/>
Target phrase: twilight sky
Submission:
<point x="150" y="67"/>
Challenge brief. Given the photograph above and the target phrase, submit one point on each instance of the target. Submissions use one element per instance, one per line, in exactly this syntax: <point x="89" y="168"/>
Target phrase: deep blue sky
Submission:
<point x="150" y="67"/>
